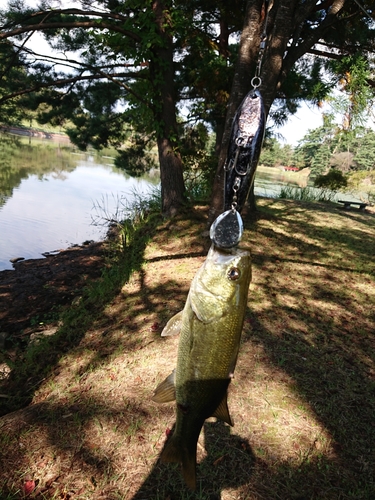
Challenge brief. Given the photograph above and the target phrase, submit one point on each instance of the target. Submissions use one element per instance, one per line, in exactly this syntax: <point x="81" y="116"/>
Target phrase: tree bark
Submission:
<point x="162" y="78"/>
<point x="248" y="51"/>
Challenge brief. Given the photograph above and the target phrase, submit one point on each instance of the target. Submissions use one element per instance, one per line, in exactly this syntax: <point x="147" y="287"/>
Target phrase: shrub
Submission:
<point x="334" y="180"/>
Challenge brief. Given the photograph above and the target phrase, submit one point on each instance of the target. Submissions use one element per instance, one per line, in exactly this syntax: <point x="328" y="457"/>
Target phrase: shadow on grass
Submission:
<point x="31" y="367"/>
<point x="228" y="460"/>
<point x="315" y="322"/>
<point x="339" y="389"/>
<point x="316" y="328"/>
<point x="228" y="463"/>
<point x="78" y="461"/>
<point x="129" y="335"/>
<point x="353" y="232"/>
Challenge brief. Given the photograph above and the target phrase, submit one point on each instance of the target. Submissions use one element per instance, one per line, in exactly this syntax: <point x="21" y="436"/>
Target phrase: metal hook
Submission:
<point x="256" y="82"/>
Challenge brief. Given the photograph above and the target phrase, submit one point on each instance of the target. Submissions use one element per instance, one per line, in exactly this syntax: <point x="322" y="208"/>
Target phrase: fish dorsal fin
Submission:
<point x="222" y="411"/>
<point x="173" y="326"/>
<point x="166" y="390"/>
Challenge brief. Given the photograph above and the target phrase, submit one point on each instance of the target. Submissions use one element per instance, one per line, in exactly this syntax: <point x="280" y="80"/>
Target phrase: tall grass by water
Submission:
<point x="307" y="193"/>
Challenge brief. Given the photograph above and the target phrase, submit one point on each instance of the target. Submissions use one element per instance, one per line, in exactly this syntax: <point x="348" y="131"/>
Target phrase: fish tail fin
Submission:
<point x="175" y="451"/>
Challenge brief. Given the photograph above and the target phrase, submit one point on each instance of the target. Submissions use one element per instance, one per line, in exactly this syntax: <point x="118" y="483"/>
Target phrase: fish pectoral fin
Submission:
<point x="166" y="390"/>
<point x="222" y="411"/>
<point x="173" y="326"/>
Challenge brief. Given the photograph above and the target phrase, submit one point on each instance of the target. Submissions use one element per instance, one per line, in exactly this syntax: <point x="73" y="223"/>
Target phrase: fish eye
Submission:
<point x="234" y="273"/>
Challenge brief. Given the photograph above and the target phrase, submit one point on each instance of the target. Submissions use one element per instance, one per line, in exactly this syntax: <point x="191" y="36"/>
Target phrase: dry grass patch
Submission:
<point x="303" y="396"/>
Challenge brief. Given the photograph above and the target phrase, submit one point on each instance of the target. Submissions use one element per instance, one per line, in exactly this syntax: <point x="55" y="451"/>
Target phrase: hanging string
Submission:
<point x="256" y="81"/>
<point x="364" y="10"/>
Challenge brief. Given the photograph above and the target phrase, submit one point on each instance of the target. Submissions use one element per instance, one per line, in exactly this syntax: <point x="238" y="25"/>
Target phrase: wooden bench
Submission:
<point x="348" y="204"/>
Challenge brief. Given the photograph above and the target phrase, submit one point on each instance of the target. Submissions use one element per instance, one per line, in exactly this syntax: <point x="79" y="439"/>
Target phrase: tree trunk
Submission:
<point x="248" y="51"/>
<point x="171" y="178"/>
<point x="162" y="77"/>
<point x="281" y="22"/>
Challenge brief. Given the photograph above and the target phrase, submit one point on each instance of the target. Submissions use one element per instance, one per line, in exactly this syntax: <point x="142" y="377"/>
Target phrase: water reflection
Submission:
<point x="269" y="181"/>
<point x="47" y="193"/>
<point x="19" y="160"/>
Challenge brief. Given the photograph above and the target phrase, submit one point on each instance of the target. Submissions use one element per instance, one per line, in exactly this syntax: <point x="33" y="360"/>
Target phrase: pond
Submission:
<point x="269" y="181"/>
<point x="53" y="196"/>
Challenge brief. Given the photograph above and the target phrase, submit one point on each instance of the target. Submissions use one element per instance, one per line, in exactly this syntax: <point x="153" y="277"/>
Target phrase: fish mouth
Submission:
<point x="222" y="256"/>
<point x="222" y="259"/>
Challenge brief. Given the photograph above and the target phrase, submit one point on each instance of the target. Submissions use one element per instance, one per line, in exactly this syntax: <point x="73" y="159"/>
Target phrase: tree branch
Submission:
<point x="299" y="50"/>
<point x="66" y="81"/>
<point x="73" y="63"/>
<point x="79" y="12"/>
<point x="323" y="53"/>
<point x="69" y="25"/>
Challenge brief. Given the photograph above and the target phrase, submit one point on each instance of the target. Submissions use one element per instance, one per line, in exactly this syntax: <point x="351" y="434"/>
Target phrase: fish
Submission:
<point x="210" y="327"/>
<point x="245" y="143"/>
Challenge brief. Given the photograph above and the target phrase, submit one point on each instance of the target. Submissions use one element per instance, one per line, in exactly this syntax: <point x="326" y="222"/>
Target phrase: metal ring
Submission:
<point x="236" y="184"/>
<point x="256" y="82"/>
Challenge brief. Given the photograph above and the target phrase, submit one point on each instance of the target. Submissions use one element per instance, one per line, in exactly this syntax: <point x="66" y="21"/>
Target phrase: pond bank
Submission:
<point x="32" y="293"/>
<point x="302" y="396"/>
<point x="31" y="132"/>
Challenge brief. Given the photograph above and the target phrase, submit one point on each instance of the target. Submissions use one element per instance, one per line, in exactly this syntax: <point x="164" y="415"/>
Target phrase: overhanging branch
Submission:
<point x="70" y="25"/>
<point x="298" y="51"/>
<point x="66" y="81"/>
<point x="323" y="53"/>
<point x="73" y="63"/>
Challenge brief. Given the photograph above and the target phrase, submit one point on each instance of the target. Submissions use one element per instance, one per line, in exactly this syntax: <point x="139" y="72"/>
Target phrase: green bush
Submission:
<point x="334" y="180"/>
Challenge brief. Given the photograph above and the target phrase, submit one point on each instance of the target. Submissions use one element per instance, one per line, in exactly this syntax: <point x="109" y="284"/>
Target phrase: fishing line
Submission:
<point x="243" y="154"/>
<point x="364" y="10"/>
<point x="256" y="81"/>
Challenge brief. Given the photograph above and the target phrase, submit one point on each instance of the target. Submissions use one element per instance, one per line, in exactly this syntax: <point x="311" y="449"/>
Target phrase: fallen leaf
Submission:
<point x="28" y="486"/>
<point x="218" y="460"/>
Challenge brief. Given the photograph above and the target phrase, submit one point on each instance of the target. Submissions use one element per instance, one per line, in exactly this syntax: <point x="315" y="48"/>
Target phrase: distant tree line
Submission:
<point x="323" y="148"/>
<point x="130" y="67"/>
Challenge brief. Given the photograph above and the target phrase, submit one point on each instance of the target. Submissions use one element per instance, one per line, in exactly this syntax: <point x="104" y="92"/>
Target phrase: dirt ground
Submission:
<point x="31" y="293"/>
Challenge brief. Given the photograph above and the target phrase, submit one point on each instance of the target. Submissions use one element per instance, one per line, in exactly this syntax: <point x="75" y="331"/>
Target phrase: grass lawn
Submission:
<point x="303" y="394"/>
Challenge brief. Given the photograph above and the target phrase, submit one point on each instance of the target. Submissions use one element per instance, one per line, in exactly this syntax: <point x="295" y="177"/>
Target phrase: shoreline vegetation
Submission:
<point x="78" y="421"/>
<point x="35" y="133"/>
<point x="361" y="183"/>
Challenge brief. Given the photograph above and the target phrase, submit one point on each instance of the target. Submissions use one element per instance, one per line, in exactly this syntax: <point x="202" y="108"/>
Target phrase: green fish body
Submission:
<point x="210" y="328"/>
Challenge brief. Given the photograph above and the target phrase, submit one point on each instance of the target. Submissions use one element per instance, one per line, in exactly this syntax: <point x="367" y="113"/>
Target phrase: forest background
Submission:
<point x="169" y="76"/>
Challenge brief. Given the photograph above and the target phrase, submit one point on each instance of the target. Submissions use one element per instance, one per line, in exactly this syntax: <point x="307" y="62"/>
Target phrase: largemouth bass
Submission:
<point x="210" y="328"/>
